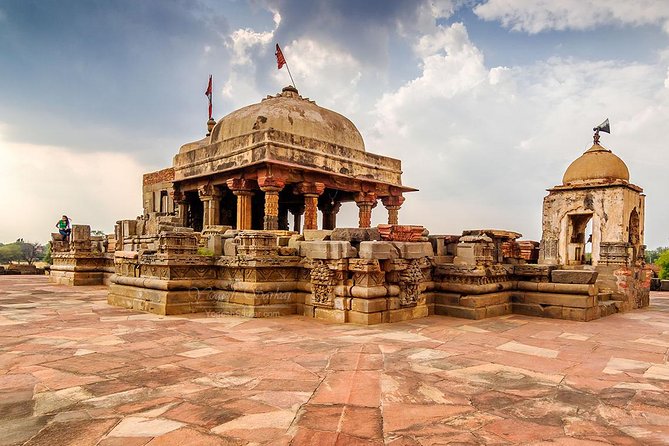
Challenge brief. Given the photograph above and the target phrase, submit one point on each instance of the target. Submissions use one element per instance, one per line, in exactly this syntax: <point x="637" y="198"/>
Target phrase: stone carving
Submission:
<point x="410" y="280"/>
<point x="322" y="284"/>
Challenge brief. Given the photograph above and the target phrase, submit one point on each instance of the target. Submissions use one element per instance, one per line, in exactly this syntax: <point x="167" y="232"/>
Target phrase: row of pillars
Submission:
<point x="244" y="190"/>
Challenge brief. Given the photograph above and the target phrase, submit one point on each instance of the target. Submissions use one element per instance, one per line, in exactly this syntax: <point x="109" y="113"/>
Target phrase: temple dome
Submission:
<point x="291" y="113"/>
<point x="596" y="165"/>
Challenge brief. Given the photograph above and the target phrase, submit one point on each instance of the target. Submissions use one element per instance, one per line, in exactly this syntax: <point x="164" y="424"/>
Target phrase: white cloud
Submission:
<point x="322" y="68"/>
<point x="534" y="16"/>
<point x="246" y="40"/>
<point x="484" y="143"/>
<point x="40" y="183"/>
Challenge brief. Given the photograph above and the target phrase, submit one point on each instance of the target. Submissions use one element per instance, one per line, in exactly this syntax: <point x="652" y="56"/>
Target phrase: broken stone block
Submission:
<point x="573" y="276"/>
<point x="355" y="235"/>
<point x="312" y="235"/>
<point x="327" y="250"/>
<point x="378" y="250"/>
<point x="413" y="250"/>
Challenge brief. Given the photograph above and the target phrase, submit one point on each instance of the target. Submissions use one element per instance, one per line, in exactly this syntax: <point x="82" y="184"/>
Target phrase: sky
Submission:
<point x="485" y="102"/>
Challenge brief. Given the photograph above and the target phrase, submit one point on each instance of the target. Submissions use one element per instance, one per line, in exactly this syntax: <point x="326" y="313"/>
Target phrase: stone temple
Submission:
<point x="233" y="227"/>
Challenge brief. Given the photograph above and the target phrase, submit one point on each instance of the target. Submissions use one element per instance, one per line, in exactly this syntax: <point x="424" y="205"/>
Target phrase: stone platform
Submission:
<point x="76" y="371"/>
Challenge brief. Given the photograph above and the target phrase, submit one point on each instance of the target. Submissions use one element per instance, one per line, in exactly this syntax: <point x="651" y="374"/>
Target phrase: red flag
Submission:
<point x="208" y="93"/>
<point x="280" y="60"/>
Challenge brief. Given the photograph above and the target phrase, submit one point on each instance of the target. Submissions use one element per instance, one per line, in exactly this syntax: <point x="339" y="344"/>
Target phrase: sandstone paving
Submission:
<point x="75" y="371"/>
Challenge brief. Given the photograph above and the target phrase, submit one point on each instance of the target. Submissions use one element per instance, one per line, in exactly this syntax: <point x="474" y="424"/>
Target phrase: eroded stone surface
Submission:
<point x="74" y="370"/>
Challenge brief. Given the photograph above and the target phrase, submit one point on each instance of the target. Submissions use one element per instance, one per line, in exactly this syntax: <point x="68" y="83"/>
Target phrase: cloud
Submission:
<point x="43" y="182"/>
<point x="245" y="40"/>
<point x="483" y="143"/>
<point x="534" y="16"/>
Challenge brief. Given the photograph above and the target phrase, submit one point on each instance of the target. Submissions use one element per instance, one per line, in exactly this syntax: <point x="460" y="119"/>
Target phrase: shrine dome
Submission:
<point x="596" y="165"/>
<point x="290" y="113"/>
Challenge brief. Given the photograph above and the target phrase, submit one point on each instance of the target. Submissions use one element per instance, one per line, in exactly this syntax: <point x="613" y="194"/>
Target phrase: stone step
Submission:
<point x="608" y="307"/>
<point x="603" y="297"/>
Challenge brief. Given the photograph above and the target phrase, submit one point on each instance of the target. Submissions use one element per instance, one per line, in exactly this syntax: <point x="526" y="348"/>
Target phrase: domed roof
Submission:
<point x="289" y="112"/>
<point x="596" y="165"/>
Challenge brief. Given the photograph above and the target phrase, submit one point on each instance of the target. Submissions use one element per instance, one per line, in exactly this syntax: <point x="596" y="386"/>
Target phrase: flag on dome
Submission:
<point x="280" y="60"/>
<point x="208" y="93"/>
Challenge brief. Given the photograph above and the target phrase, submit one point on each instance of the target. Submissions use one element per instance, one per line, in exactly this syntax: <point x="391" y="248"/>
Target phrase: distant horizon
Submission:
<point x="485" y="102"/>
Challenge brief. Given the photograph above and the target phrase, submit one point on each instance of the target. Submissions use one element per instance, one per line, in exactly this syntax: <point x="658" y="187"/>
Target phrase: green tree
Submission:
<point x="663" y="263"/>
<point x="10" y="252"/>
<point x="654" y="254"/>
<point x="30" y="252"/>
<point x="47" y="254"/>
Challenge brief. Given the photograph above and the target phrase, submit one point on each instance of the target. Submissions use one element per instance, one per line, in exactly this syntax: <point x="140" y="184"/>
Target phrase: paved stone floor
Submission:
<point x="75" y="371"/>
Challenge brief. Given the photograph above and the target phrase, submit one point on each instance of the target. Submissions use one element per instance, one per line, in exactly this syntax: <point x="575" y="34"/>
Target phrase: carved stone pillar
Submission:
<point x="243" y="189"/>
<point x="181" y="205"/>
<point x="366" y="201"/>
<point x="271" y="186"/>
<point x="297" y="212"/>
<point x="311" y="192"/>
<point x="211" y="200"/>
<point x="330" y="211"/>
<point x="393" y="204"/>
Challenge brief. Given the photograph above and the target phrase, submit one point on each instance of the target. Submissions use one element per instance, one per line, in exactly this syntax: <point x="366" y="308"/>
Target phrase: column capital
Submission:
<point x="270" y="183"/>
<point x="208" y="192"/>
<point x="365" y="198"/>
<point x="308" y="188"/>
<point x="240" y="185"/>
<point x="394" y="201"/>
<point x="177" y="196"/>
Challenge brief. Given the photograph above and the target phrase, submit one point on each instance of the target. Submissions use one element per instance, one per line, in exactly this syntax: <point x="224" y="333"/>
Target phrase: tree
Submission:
<point x="654" y="254"/>
<point x="21" y="251"/>
<point x="31" y="251"/>
<point x="10" y="253"/>
<point x="663" y="263"/>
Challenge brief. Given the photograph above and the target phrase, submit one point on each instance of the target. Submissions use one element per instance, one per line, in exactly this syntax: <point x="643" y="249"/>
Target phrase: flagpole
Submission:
<point x="291" y="76"/>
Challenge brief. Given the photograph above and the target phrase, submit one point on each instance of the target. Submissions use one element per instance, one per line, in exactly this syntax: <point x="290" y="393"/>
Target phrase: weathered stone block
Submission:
<point x="368" y="292"/>
<point x="457" y="311"/>
<point x="414" y="250"/>
<point x="230" y="247"/>
<point x="573" y="276"/>
<point x="378" y="250"/>
<point x="312" y="235"/>
<point x="369" y="305"/>
<point x="484" y="300"/>
<point x="356" y="317"/>
<point x="498" y="310"/>
<point x="215" y="244"/>
<point x="447" y="298"/>
<point x="330" y="314"/>
<point x="566" y="300"/>
<point x="326" y="250"/>
<point x="355" y="235"/>
<point x="406" y="314"/>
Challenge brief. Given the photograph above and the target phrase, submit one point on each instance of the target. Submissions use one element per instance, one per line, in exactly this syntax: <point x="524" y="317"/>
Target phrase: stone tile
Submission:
<point x="144" y="427"/>
<point x="525" y="349"/>
<point x="272" y="381"/>
<point x="74" y="433"/>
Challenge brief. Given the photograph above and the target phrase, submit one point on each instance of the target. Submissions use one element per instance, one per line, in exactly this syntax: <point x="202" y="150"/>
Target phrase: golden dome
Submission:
<point x="596" y="165"/>
<point x="289" y="112"/>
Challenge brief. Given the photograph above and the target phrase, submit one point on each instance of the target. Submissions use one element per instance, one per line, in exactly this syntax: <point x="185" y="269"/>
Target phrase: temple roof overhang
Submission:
<point x="344" y="167"/>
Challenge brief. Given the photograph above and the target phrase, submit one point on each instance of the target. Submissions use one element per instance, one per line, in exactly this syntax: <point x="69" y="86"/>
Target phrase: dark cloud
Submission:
<point x="72" y="70"/>
<point x="365" y="28"/>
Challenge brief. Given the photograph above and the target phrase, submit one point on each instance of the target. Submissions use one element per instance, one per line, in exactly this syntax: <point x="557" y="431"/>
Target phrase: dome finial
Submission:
<point x="604" y="127"/>
<point x="210" y="125"/>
